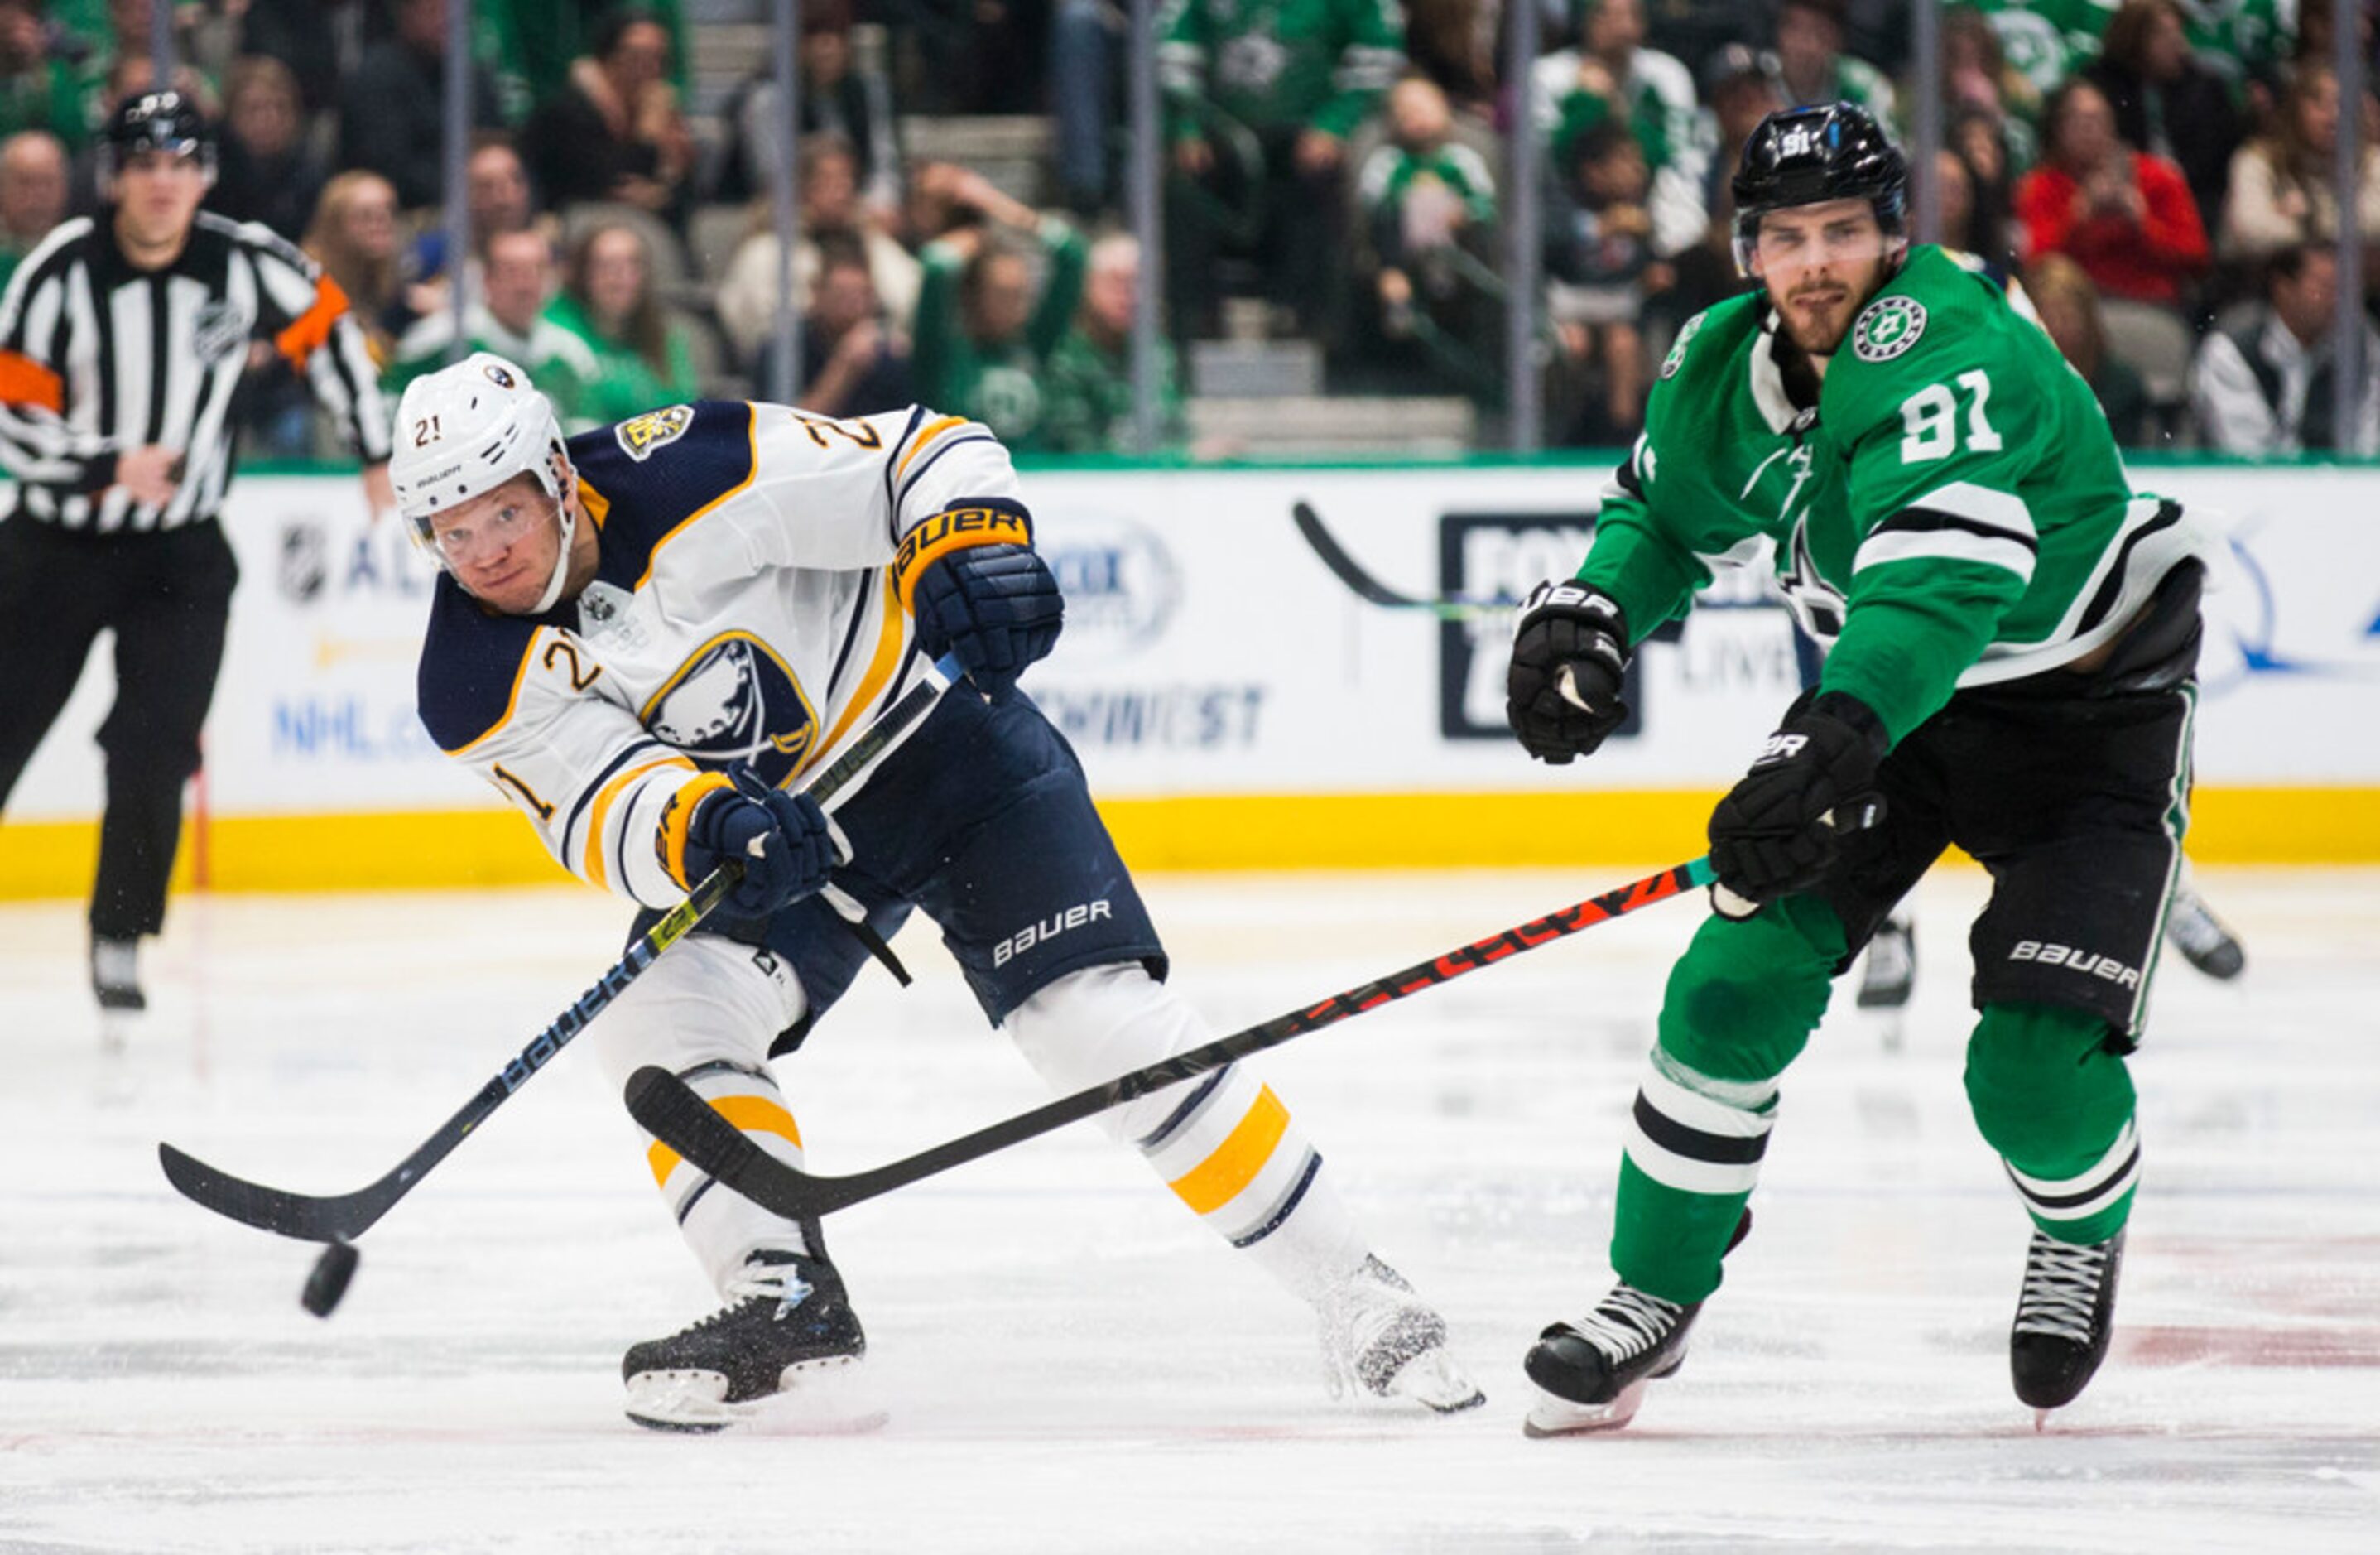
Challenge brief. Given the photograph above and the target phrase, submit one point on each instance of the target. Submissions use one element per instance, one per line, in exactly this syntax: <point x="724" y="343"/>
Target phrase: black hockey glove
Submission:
<point x="1779" y="827"/>
<point x="788" y="845"/>
<point x="1570" y="652"/>
<point x="996" y="606"/>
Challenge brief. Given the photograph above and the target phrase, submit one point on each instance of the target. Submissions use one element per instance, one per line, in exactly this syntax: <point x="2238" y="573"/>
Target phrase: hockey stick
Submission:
<point x="1370" y="589"/>
<point x="669" y="1110"/>
<point x="345" y="1217"/>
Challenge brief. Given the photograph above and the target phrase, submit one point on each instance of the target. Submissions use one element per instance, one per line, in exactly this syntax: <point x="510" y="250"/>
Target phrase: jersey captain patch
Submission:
<point x="734" y="701"/>
<point x="639" y="435"/>
<point x="1887" y="326"/>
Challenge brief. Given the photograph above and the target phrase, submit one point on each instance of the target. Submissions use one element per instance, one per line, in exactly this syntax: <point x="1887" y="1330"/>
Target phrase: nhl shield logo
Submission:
<point x="1889" y="326"/>
<point x="639" y="435"/>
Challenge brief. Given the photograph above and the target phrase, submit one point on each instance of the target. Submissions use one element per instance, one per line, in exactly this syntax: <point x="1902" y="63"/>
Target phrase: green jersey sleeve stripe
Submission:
<point x="1997" y="510"/>
<point x="1952" y="541"/>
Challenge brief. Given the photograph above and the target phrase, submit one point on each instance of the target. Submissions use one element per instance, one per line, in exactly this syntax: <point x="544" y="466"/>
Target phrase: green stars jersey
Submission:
<point x="1952" y="512"/>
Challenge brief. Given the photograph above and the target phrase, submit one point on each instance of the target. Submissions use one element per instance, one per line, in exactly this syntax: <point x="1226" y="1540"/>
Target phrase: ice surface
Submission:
<point x="1069" y="1363"/>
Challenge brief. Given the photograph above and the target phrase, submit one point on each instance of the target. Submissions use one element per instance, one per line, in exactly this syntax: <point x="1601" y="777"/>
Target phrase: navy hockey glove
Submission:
<point x="996" y="606"/>
<point x="786" y="844"/>
<point x="1570" y="652"/>
<point x="1778" y="829"/>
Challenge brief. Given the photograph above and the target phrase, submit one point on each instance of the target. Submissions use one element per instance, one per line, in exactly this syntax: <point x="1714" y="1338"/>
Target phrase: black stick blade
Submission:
<point x="669" y="1109"/>
<point x="301" y="1216"/>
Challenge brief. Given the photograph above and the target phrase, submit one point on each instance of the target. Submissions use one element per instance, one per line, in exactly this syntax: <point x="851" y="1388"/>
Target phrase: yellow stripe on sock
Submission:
<point x="1215" y="1181"/>
<point x="753" y="1114"/>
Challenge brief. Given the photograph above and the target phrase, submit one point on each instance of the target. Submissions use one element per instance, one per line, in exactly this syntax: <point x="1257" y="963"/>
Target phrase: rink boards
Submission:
<point x="1234" y="703"/>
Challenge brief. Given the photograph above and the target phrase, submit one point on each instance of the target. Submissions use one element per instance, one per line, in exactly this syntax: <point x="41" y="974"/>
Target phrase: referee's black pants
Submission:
<point x="167" y="596"/>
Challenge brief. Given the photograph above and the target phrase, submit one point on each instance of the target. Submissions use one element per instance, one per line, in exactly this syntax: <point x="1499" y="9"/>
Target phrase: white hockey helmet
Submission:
<point x="463" y="430"/>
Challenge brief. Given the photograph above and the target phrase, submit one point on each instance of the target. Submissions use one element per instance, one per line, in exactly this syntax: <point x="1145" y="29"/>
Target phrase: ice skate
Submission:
<point x="1591" y="1373"/>
<point x="2063" y="1318"/>
<point x="1891" y="970"/>
<point x="116" y="976"/>
<point x="1379" y="1336"/>
<point x="2200" y="936"/>
<point x="787" y="1317"/>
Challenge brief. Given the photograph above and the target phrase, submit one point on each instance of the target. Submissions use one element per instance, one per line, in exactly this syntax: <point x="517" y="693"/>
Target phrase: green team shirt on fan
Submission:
<point x="1952" y="512"/>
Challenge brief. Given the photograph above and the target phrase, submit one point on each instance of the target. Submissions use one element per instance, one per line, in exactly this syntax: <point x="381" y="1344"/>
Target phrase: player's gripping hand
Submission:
<point x="786" y="844"/>
<point x="996" y="606"/>
<point x="1561" y="691"/>
<point x="1778" y="829"/>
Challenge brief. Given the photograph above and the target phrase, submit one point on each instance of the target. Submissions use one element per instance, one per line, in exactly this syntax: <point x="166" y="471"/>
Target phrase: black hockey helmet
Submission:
<point x="156" y="121"/>
<point x="1807" y="156"/>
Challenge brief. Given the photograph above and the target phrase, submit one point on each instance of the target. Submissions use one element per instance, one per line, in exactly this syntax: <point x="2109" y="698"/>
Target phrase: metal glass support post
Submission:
<point x="1926" y="151"/>
<point x="1524" y="255"/>
<point x="1141" y="184"/>
<point x="786" y="381"/>
<point x="2347" y="330"/>
<point x="457" y="157"/>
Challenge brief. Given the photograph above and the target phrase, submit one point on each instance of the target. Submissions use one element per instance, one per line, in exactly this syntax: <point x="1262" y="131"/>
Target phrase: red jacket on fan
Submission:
<point x="2147" y="260"/>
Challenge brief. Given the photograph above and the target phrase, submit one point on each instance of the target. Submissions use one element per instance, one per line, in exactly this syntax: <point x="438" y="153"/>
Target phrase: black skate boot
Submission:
<point x="1378" y="1335"/>
<point x="787" y="1315"/>
<point x="2063" y="1319"/>
<point x="1591" y="1373"/>
<point x="115" y="976"/>
<point x="1891" y="965"/>
<point x="2194" y="930"/>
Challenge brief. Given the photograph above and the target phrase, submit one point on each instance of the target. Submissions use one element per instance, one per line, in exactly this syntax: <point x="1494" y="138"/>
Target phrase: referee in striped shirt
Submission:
<point x="122" y="341"/>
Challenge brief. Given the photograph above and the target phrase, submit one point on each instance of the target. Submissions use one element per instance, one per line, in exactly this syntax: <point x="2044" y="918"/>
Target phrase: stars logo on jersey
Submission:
<point x="734" y="701"/>
<point x="639" y="435"/>
<point x="1677" y="357"/>
<point x="1889" y="326"/>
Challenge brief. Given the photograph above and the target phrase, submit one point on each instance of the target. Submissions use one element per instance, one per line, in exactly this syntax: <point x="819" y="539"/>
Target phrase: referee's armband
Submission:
<point x="955" y="529"/>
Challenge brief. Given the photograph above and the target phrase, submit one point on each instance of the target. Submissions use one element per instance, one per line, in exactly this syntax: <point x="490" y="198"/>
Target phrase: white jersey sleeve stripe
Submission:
<point x="1887" y="546"/>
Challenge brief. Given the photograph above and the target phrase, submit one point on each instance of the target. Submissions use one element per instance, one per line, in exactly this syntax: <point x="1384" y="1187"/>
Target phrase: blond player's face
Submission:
<point x="1820" y="264"/>
<point x="501" y="545"/>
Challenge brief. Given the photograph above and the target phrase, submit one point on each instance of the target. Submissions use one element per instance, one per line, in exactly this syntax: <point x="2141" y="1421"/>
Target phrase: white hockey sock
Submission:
<point x="707" y="1011"/>
<point x="1224" y="1142"/>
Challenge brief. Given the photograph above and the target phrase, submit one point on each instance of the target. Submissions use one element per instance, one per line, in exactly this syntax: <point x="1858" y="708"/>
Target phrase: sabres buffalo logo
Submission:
<point x="734" y="701"/>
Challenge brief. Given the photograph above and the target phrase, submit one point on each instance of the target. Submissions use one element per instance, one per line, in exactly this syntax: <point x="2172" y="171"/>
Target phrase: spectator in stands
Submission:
<point x="508" y="318"/>
<point x="1978" y="79"/>
<point x="643" y="360"/>
<point x="616" y="133"/>
<point x="1742" y="86"/>
<point x="32" y="194"/>
<point x="1810" y="56"/>
<point x="1428" y="200"/>
<point x="2267" y="383"/>
<point x="309" y="36"/>
<point x="2068" y="305"/>
<point x="1601" y="264"/>
<point x="1086" y="43"/>
<point x="2281" y="190"/>
<point x="543" y="45"/>
<point x="982" y="337"/>
<point x="497" y="196"/>
<point x="837" y="99"/>
<point x="267" y="172"/>
<point x="37" y="90"/>
<point x="128" y="34"/>
<point x="853" y="364"/>
<point x="2166" y="103"/>
<point x="1089" y="403"/>
<point x="1260" y="106"/>
<point x="1613" y="75"/>
<point x="746" y="297"/>
<point x="354" y="237"/>
<point x="2125" y="216"/>
<point x="392" y="115"/>
<point x="1453" y="43"/>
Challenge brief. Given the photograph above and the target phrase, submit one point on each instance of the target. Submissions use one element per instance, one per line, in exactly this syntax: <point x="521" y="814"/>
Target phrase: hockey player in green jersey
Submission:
<point x="2012" y="635"/>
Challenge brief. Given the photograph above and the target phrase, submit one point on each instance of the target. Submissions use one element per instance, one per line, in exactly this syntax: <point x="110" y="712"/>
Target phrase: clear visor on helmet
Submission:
<point x="469" y="532"/>
<point x="1839" y="234"/>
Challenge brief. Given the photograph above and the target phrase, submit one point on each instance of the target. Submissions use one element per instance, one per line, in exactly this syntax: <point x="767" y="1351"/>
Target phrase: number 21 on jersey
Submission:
<point x="1929" y="420"/>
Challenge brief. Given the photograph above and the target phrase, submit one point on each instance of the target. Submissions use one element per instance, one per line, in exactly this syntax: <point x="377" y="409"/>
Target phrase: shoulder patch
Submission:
<point x="1677" y="357"/>
<point x="1887" y="327"/>
<point x="640" y="435"/>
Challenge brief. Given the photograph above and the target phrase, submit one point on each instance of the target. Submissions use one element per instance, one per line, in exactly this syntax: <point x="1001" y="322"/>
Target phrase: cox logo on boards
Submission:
<point x="1122" y="584"/>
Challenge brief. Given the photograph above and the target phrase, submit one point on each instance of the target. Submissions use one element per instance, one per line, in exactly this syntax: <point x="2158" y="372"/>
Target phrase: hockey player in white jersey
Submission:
<point x="628" y="615"/>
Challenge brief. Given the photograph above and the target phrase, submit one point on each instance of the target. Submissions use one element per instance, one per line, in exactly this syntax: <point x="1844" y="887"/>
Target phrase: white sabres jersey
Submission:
<point x="746" y="607"/>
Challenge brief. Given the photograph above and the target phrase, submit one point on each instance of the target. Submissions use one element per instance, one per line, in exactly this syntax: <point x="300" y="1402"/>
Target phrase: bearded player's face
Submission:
<point x="1820" y="264"/>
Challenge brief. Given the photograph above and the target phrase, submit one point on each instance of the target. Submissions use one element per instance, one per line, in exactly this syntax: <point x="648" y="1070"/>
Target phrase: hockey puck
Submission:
<point x="329" y="1280"/>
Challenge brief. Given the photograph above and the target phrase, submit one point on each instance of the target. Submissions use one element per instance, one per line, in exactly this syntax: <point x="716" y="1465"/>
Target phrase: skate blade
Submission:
<point x="1551" y="1415"/>
<point x="1433" y="1380"/>
<point x="814" y="1398"/>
